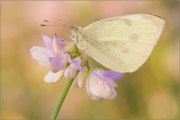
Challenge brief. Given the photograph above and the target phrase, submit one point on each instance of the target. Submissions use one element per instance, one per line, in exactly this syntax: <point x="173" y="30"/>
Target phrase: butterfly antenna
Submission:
<point x="57" y="23"/>
<point x="50" y="25"/>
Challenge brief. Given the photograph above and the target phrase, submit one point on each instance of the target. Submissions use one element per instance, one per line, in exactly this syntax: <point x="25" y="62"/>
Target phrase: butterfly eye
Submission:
<point x="74" y="29"/>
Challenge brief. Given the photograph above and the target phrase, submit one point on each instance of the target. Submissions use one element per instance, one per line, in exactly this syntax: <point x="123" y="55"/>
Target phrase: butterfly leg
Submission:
<point x="66" y="37"/>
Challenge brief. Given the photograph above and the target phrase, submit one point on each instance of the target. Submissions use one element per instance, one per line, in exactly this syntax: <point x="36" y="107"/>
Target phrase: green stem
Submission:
<point x="62" y="98"/>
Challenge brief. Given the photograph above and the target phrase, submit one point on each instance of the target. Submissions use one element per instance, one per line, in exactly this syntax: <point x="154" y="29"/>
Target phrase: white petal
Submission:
<point x="93" y="97"/>
<point x="75" y="84"/>
<point x="78" y="81"/>
<point x="44" y="64"/>
<point x="113" y="93"/>
<point x="41" y="54"/>
<point x="90" y="94"/>
<point x="81" y="78"/>
<point x="51" y="77"/>
<point x="98" y="87"/>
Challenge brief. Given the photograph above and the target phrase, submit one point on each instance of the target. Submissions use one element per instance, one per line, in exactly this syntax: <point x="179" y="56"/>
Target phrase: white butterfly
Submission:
<point x="122" y="43"/>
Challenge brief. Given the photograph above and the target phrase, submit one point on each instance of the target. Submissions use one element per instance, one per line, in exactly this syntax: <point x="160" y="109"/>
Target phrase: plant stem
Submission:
<point x="62" y="98"/>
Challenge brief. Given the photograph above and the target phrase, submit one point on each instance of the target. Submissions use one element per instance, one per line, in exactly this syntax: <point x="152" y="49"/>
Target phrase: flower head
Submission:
<point x="47" y="57"/>
<point x="100" y="84"/>
<point x="75" y="65"/>
<point x="59" y="57"/>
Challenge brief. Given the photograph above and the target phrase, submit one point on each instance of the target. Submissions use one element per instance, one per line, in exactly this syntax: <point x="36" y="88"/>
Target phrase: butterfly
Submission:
<point x="122" y="43"/>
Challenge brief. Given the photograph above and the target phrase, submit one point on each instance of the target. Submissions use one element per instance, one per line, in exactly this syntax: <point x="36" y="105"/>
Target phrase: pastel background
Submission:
<point x="152" y="92"/>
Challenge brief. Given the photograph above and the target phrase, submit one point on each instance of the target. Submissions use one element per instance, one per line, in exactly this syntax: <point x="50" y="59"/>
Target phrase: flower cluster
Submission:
<point x="63" y="58"/>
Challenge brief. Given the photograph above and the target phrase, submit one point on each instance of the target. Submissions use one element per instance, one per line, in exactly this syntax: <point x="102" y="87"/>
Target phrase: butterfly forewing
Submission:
<point x="123" y="43"/>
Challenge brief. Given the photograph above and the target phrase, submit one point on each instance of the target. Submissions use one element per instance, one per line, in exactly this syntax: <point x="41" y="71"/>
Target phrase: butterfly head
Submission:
<point x="75" y="29"/>
<point x="75" y="33"/>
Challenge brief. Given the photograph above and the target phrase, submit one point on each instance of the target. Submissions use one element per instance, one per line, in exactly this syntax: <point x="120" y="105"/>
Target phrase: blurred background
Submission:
<point x="152" y="92"/>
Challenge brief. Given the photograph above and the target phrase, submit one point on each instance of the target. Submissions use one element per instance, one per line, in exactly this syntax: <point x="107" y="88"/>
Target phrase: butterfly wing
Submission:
<point x="123" y="43"/>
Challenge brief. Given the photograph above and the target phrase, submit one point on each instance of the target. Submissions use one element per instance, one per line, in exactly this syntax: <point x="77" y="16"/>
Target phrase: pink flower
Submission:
<point x="56" y="56"/>
<point x="61" y="46"/>
<point x="75" y="65"/>
<point x="51" y="77"/>
<point x="47" y="57"/>
<point x="78" y="81"/>
<point x="100" y="84"/>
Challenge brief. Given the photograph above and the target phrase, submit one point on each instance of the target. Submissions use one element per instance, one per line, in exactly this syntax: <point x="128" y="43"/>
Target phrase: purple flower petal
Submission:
<point x="69" y="59"/>
<point x="70" y="71"/>
<point x="99" y="74"/>
<point x="99" y="86"/>
<point x="58" y="62"/>
<point x="77" y="62"/>
<point x="113" y="75"/>
<point x="60" y="45"/>
<point x="48" y="43"/>
<point x="80" y="68"/>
